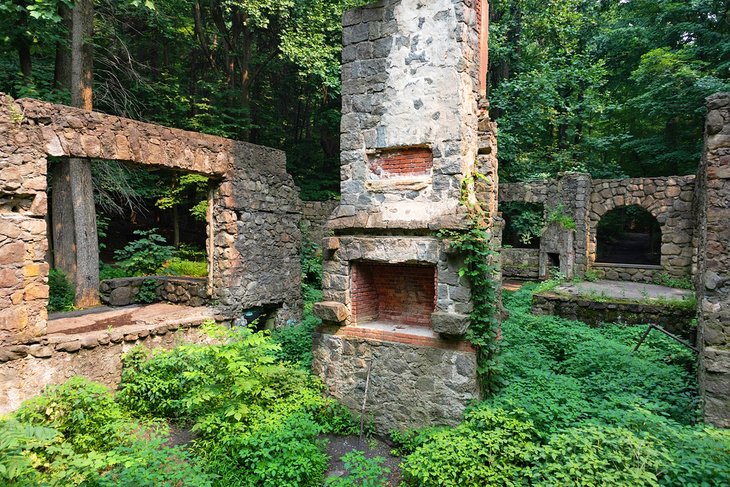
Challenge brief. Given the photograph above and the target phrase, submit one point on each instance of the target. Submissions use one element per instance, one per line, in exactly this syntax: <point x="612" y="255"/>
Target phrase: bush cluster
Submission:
<point x="578" y="408"/>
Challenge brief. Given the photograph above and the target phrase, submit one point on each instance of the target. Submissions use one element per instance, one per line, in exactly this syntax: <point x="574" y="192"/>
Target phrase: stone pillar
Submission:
<point x="713" y="279"/>
<point x="569" y="195"/>
<point x="23" y="243"/>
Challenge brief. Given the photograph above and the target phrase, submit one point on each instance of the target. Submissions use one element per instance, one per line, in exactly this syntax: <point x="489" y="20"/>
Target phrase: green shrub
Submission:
<point x="107" y="271"/>
<point x="147" y="292"/>
<point x="145" y="255"/>
<point x="256" y="418"/>
<point x="83" y="411"/>
<point x="598" y="413"/>
<point x="596" y="456"/>
<point x="295" y="341"/>
<point x="491" y="447"/>
<point x="17" y="444"/>
<point x="188" y="268"/>
<point x="361" y="471"/>
<point x="61" y="293"/>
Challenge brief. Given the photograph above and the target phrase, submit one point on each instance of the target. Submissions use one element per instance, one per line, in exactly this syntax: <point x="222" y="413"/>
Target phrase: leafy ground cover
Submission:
<point x="577" y="407"/>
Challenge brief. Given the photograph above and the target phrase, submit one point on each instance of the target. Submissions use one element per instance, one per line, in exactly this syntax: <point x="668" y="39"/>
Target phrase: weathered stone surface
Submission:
<point x="713" y="264"/>
<point x="331" y="312"/>
<point x="453" y="324"/>
<point x="410" y="386"/>
<point x="255" y="210"/>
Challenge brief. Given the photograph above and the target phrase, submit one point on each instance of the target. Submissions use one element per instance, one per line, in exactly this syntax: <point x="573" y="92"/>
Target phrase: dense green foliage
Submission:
<point x="613" y="87"/>
<point x="578" y="408"/>
<point x="76" y="434"/>
<point x="256" y="420"/>
<point x="60" y="292"/>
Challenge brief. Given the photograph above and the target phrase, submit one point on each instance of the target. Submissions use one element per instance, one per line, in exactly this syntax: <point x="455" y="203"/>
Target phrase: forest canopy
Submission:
<point x="612" y="87"/>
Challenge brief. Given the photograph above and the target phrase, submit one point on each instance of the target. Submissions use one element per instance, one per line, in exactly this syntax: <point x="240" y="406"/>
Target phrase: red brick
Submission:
<point x="404" y="294"/>
<point x="399" y="162"/>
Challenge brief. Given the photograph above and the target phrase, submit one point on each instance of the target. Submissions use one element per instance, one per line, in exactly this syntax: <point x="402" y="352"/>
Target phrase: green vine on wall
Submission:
<point x="475" y="244"/>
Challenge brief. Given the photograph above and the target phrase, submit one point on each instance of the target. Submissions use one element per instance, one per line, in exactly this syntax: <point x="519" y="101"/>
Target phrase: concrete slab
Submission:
<point x="635" y="291"/>
<point x="128" y="316"/>
<point x="421" y="331"/>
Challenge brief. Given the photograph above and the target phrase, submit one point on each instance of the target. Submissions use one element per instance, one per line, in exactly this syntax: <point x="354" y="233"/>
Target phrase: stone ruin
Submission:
<point x="414" y="127"/>
<point x="692" y="213"/>
<point x="253" y="232"/>
<point x="586" y="201"/>
<point x="712" y="279"/>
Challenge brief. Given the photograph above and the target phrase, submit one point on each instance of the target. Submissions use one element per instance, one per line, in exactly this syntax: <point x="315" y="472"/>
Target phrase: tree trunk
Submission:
<point x="62" y="216"/>
<point x="26" y="66"/>
<point x="176" y="226"/>
<point x="76" y="244"/>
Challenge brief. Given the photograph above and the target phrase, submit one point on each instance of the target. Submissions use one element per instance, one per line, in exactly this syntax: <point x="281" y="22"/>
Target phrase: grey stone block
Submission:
<point x="331" y="312"/>
<point x="449" y="323"/>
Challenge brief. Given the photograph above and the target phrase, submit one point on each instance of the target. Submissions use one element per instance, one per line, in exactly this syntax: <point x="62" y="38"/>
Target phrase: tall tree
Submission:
<point x="76" y="245"/>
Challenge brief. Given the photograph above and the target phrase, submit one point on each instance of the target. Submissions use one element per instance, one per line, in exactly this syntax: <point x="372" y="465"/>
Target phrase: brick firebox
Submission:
<point x="402" y="294"/>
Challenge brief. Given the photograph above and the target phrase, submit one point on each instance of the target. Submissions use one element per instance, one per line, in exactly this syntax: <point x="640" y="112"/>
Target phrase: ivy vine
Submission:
<point x="475" y="244"/>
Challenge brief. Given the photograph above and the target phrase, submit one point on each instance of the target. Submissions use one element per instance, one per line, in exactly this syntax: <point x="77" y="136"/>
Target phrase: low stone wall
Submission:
<point x="675" y="320"/>
<point x="26" y="369"/>
<point x="520" y="263"/>
<point x="400" y="394"/>
<point x="178" y="290"/>
<point x="628" y="272"/>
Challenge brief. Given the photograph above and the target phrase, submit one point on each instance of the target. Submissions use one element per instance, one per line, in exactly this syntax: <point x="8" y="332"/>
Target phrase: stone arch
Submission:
<point x="668" y="200"/>
<point x="628" y="235"/>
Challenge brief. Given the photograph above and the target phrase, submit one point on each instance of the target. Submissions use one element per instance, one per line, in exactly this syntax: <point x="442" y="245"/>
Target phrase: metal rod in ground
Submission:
<point x="643" y="337"/>
<point x="670" y="335"/>
<point x="364" y="403"/>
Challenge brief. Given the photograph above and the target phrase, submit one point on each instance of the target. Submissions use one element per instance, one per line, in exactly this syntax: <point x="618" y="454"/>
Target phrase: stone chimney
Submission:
<point x="415" y="130"/>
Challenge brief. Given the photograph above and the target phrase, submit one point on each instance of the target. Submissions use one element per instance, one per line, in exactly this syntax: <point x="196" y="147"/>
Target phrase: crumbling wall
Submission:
<point x="668" y="199"/>
<point x="314" y="218"/>
<point x="713" y="276"/>
<point x="586" y="201"/>
<point x="409" y="113"/>
<point x="253" y="221"/>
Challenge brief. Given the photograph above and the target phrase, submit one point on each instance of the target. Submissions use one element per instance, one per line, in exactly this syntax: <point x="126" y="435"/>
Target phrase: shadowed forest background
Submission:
<point x="614" y="88"/>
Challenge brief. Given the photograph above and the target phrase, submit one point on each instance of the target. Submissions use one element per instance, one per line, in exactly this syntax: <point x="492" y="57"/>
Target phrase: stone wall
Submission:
<point x="177" y="290"/>
<point x="520" y="263"/>
<point x="596" y="312"/>
<point x="314" y="218"/>
<point x="410" y="78"/>
<point x="26" y="370"/>
<point x="586" y="201"/>
<point x="713" y="276"/>
<point x="400" y="394"/>
<point x="668" y="199"/>
<point x="414" y="133"/>
<point x="253" y="221"/>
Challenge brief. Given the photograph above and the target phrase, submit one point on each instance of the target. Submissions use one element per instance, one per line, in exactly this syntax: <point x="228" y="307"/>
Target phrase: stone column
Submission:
<point x="713" y="279"/>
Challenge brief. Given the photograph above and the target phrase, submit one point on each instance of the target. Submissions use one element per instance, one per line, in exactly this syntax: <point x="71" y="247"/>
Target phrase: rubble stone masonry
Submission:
<point x="713" y="277"/>
<point x="253" y="222"/>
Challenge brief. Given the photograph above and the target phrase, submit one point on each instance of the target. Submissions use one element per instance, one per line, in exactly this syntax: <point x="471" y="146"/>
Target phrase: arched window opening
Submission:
<point x="629" y="235"/>
<point x="523" y="224"/>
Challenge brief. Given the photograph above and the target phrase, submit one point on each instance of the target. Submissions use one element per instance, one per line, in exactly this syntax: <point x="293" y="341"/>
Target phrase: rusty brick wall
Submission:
<point x="400" y="293"/>
<point x="402" y="162"/>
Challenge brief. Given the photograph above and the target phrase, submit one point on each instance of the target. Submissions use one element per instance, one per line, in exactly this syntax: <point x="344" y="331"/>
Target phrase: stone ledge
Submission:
<point x="54" y="343"/>
<point x="373" y="335"/>
<point x="331" y="312"/>
<point x="452" y="324"/>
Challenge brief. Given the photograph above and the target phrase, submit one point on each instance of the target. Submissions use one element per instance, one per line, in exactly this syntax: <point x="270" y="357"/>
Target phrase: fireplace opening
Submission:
<point x="402" y="294"/>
